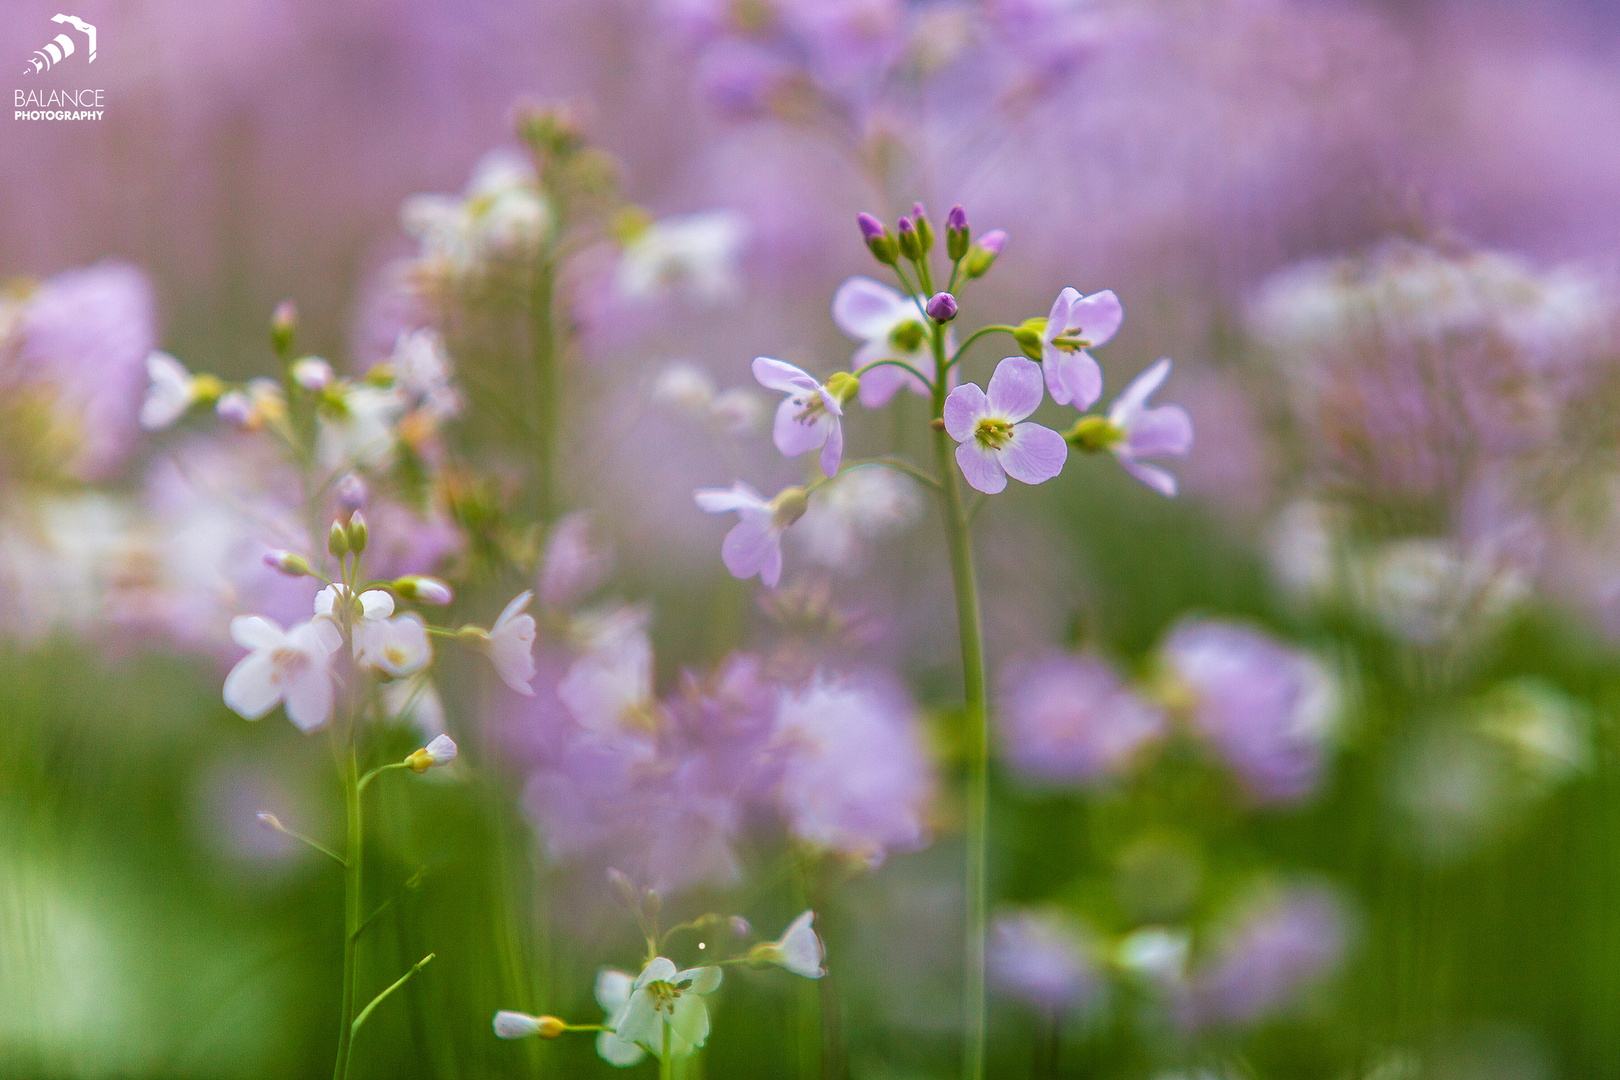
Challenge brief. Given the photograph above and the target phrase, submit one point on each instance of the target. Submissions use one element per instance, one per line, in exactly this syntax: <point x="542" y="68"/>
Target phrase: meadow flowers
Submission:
<point x="996" y="438"/>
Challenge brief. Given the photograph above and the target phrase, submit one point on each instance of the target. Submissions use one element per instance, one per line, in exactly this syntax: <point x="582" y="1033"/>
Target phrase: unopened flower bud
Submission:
<point x="982" y="255"/>
<point x="843" y="385"/>
<point x="937" y="424"/>
<point x="234" y="407"/>
<point x="426" y="589"/>
<point x="957" y="234"/>
<point x="516" y="1025"/>
<point x="942" y="307"/>
<point x="357" y="533"/>
<point x="351" y="493"/>
<point x="270" y="821"/>
<point x="312" y="373"/>
<point x="283" y="325"/>
<point x="441" y="751"/>
<point x="337" y="541"/>
<point x="910" y="245"/>
<point x="925" y="230"/>
<point x="550" y="129"/>
<point x="789" y="506"/>
<point x="882" y="246"/>
<point x="287" y="562"/>
<point x="1028" y="336"/>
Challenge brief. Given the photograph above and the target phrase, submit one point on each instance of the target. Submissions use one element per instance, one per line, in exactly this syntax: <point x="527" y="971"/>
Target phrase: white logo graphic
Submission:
<point x="60" y="47"/>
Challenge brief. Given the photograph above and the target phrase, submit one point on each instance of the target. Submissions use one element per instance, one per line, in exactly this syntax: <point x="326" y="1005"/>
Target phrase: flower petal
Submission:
<point x="613" y="990"/>
<point x="1129" y="404"/>
<point x="1058" y="318"/>
<point x="1097" y="317"/>
<point x="376" y="604"/>
<point x="833" y="452"/>
<point x="1164" y="431"/>
<point x="750" y="546"/>
<point x="792" y="435"/>
<point x="1015" y="388"/>
<point x="256" y="632"/>
<point x="309" y="698"/>
<point x="1081" y="377"/>
<point x="689" y="1023"/>
<point x="250" y="688"/>
<point x="658" y="969"/>
<point x="980" y="467"/>
<point x="780" y="375"/>
<point x="739" y="496"/>
<point x="705" y="980"/>
<point x="1035" y="454"/>
<point x="1151" y="475"/>
<point x="963" y="410"/>
<point x="617" y="1050"/>
<point x="867" y="309"/>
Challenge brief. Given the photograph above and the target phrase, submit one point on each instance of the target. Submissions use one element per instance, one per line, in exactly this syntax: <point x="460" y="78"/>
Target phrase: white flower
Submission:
<point x="441" y="751"/>
<point x="684" y="386"/>
<point x="810" y="416"/>
<point x="422" y="368"/>
<point x="1155" y="953"/>
<point x="170" y="394"/>
<point x="284" y="665"/>
<point x="664" y="1001"/>
<point x="695" y="252"/>
<point x="370" y="615"/>
<point x="610" y="687"/>
<point x="312" y="373"/>
<point x="613" y="990"/>
<point x="510" y="643"/>
<point x="414" y="701"/>
<point x="515" y="1025"/>
<point x="799" y="949"/>
<point x="890" y="326"/>
<point x="363" y="435"/>
<point x="397" y="647"/>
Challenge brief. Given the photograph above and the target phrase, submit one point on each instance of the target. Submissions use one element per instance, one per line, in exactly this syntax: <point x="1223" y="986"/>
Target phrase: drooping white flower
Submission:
<point x="799" y="949"/>
<point x="509" y="644"/>
<point x="696" y="253"/>
<point x="441" y="751"/>
<point x="613" y="989"/>
<point x="283" y="665"/>
<point x="171" y="392"/>
<point x="516" y="1025"/>
<point x="664" y="1000"/>
<point x="997" y="441"/>
<point x="810" y="416"/>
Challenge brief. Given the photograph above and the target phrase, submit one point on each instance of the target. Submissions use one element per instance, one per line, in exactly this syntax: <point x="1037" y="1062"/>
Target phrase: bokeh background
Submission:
<point x="1378" y="239"/>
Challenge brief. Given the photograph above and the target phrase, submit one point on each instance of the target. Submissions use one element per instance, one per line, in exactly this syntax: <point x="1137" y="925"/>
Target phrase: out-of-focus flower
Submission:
<point x="574" y="564"/>
<point x="398" y="647"/>
<point x="368" y="613"/>
<point x="312" y="373"/>
<point x="516" y="1025"/>
<point x="810" y="416"/>
<point x="1068" y="719"/>
<point x="173" y="390"/>
<point x="441" y="750"/>
<point x="1156" y="954"/>
<point x="613" y="989"/>
<point x="696" y="254"/>
<point x="501" y="215"/>
<point x="859" y="507"/>
<point x="1429" y="590"/>
<point x="1045" y="960"/>
<point x="283" y="665"/>
<point x="798" y="950"/>
<point x="509" y="643"/>
<point x="610" y="687"/>
<point x="1268" y="709"/>
<point x="1077" y="323"/>
<point x="754" y="544"/>
<point x="997" y="441"/>
<point x="362" y="434"/>
<point x="666" y="1006"/>
<point x="1275" y="947"/>
<point x="422" y="369"/>
<point x="855" y="777"/>
<point x="890" y="326"/>
<point x="1133" y="431"/>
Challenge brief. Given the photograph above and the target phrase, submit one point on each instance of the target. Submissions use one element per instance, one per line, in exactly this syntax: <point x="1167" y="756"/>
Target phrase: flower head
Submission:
<point x="754" y="544"/>
<point x="997" y="441"/>
<point x="697" y="253"/>
<point x="283" y="665"/>
<point x="397" y="647"/>
<point x="1072" y="718"/>
<point x="890" y="326"/>
<point x="172" y="391"/>
<point x="1133" y="431"/>
<point x="1075" y="324"/>
<point x="1044" y="959"/>
<point x="668" y="1003"/>
<point x="613" y="990"/>
<point x="509" y="644"/>
<point x="441" y="750"/>
<point x="799" y="949"/>
<point x="810" y="416"/>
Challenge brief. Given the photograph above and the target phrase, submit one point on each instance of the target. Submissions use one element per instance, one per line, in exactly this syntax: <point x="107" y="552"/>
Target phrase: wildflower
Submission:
<point x="996" y="439"/>
<point x="234" y="407"/>
<point x="668" y="1004"/>
<point x="941" y="307"/>
<point x="1133" y="431"/>
<point x="516" y="1025"/>
<point x="798" y="950"/>
<point x="981" y="256"/>
<point x="173" y="390"/>
<point x="889" y="326"/>
<point x="1072" y="718"/>
<point x="877" y="239"/>
<point x="362" y="432"/>
<point x="610" y="687"/>
<point x="397" y="647"/>
<point x="1075" y="324"/>
<point x="811" y="415"/>
<point x="510" y="643"/>
<point x="283" y="665"/>
<point x="613" y="990"/>
<point x="312" y="373"/>
<point x="426" y="590"/>
<point x="1044" y="959"/>
<point x="422" y="368"/>
<point x="696" y="252"/>
<point x="573" y="564"/>
<point x="754" y="544"/>
<point x="368" y="614"/>
<point x="440" y="751"/>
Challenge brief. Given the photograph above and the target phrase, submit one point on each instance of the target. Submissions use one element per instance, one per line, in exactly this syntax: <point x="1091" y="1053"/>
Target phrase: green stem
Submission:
<point x="983" y="331"/>
<point x="543" y="352"/>
<point x="351" y="904"/>
<point x="864" y="368"/>
<point x="378" y="1000"/>
<point x="666" y="1063"/>
<point x="959" y="542"/>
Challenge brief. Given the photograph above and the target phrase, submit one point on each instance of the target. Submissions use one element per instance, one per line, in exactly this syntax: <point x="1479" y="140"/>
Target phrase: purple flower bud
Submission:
<point x="286" y="562"/>
<point x="234" y="407"/>
<point x="942" y="307"/>
<point x="917" y="212"/>
<point x="993" y="241"/>
<point x="957" y="218"/>
<point x="958" y="236"/>
<point x="871" y="227"/>
<point x="904" y="225"/>
<point x="883" y="246"/>
<point x="351" y="493"/>
<point x="910" y="243"/>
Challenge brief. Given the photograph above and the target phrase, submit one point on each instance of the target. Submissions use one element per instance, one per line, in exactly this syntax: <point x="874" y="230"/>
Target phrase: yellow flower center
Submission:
<point x="993" y="432"/>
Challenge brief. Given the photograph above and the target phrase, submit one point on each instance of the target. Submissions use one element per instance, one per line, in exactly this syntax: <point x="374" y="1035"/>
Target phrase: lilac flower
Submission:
<point x="1267" y="708"/>
<point x="1068" y="719"/>
<point x="855" y="778"/>
<point x="1075" y="324"/>
<point x="1133" y="431"/>
<point x="573" y="565"/>
<point x="1044" y="959"/>
<point x="996" y="439"/>
<point x="1275" y="949"/>
<point x="754" y="544"/>
<point x="890" y="327"/>
<point x="810" y="416"/>
<point x="283" y="665"/>
<point x="696" y="253"/>
<point x="610" y="686"/>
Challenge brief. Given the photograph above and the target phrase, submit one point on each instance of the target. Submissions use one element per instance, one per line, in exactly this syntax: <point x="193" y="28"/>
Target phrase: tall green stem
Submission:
<point x="351" y="904"/>
<point x="970" y="629"/>
<point x="543" y="354"/>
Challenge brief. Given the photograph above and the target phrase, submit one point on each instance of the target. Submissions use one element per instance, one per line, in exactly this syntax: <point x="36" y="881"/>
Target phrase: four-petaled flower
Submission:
<point x="171" y="392"/>
<point x="754" y="544"/>
<point x="284" y="665"/>
<point x="1133" y="431"/>
<point x="667" y="1004"/>
<point x="810" y="416"/>
<point x="996" y="439"/>
<point x="510" y="643"/>
<point x="1075" y="324"/>
<point x="799" y="949"/>
<point x="890" y="326"/>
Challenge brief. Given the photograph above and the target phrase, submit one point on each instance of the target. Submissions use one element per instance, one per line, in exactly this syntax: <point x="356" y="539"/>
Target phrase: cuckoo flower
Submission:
<point x="754" y="544"/>
<point x="613" y="989"/>
<point x="1075" y="324"/>
<point x="798" y="950"/>
<point x="890" y="326"/>
<point x="1132" y="431"/>
<point x="668" y="1004"/>
<point x="370" y="615"/>
<point x="172" y="391"/>
<point x="811" y="415"/>
<point x="997" y="441"/>
<point x="284" y="665"/>
<point x="510" y="643"/>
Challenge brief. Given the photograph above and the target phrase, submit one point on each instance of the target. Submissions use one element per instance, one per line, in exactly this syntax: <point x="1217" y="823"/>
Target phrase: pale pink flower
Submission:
<point x="810" y="416"/>
<point x="1162" y="431"/>
<point x="283" y="665"/>
<point x="1075" y="324"/>
<point x="997" y="441"/>
<point x="754" y="544"/>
